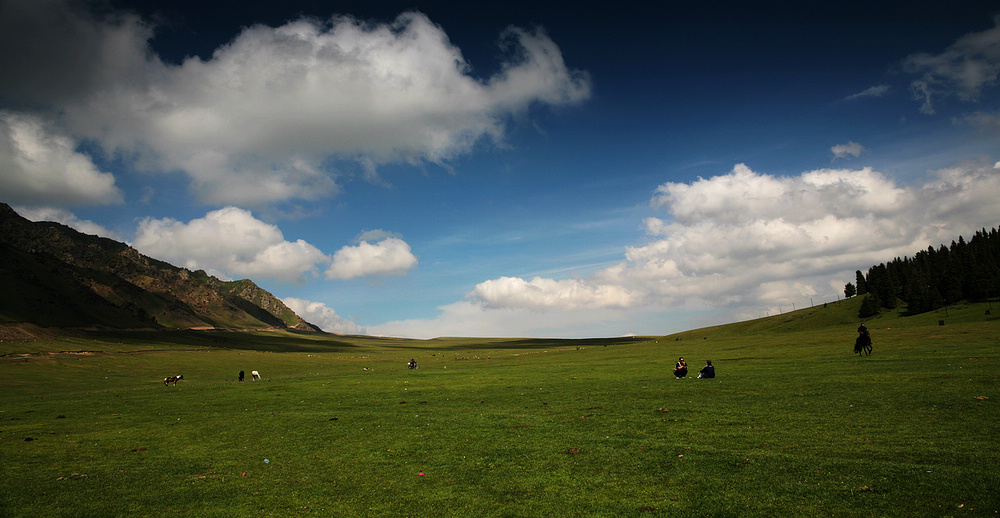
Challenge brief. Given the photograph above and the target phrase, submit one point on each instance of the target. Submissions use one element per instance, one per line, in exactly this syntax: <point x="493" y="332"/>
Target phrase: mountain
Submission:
<point x="54" y="276"/>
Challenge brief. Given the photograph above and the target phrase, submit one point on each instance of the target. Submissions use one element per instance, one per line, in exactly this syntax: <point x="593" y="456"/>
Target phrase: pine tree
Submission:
<point x="862" y="286"/>
<point x="869" y="306"/>
<point x="967" y="270"/>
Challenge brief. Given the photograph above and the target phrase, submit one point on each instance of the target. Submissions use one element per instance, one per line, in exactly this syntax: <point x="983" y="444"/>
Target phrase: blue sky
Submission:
<point x="508" y="169"/>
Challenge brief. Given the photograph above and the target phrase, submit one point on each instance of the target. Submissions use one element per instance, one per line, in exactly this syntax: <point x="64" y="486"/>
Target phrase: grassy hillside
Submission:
<point x="842" y="317"/>
<point x="795" y="424"/>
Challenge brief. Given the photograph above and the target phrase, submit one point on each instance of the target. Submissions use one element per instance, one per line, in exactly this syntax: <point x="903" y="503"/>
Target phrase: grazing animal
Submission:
<point x="172" y="379"/>
<point x="256" y="375"/>
<point x="863" y="345"/>
<point x="241" y="375"/>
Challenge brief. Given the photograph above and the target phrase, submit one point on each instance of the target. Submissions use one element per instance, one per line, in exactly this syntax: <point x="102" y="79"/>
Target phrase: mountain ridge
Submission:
<point x="54" y="276"/>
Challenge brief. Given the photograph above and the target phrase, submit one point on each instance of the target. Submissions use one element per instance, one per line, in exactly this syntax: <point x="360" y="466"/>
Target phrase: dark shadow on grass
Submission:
<point x="310" y="341"/>
<point x="285" y="341"/>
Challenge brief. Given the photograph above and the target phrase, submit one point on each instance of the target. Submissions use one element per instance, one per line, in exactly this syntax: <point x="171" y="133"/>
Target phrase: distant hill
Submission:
<point x="54" y="276"/>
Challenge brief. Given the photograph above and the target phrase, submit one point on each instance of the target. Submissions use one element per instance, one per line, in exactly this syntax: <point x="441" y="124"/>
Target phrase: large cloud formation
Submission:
<point x="747" y="240"/>
<point x="260" y="120"/>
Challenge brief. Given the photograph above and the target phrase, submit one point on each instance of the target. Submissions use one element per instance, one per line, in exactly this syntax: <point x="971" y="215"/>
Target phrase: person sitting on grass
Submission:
<point x="708" y="371"/>
<point x="681" y="369"/>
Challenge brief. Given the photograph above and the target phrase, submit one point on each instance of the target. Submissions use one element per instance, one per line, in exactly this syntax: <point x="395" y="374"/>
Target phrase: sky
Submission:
<point x="508" y="169"/>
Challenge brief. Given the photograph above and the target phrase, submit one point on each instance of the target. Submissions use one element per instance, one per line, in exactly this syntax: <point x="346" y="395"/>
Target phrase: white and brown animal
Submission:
<point x="256" y="375"/>
<point x="172" y="379"/>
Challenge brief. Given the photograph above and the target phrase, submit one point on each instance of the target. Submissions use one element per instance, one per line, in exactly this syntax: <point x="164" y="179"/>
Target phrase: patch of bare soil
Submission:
<point x="26" y="331"/>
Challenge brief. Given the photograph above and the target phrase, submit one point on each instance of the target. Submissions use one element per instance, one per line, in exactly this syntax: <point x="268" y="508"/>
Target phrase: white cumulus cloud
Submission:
<point x="845" y="150"/>
<point x="744" y="196"/>
<point x="39" y="166"/>
<point x="749" y="242"/>
<point x="262" y="119"/>
<point x="230" y="242"/>
<point x="750" y="238"/>
<point x="321" y="315"/>
<point x="541" y="294"/>
<point x="390" y="256"/>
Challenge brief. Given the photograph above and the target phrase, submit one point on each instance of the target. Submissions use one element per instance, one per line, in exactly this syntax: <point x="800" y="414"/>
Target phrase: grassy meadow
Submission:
<point x="794" y="424"/>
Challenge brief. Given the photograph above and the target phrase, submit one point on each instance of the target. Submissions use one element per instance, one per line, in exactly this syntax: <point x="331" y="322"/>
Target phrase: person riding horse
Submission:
<point x="863" y="344"/>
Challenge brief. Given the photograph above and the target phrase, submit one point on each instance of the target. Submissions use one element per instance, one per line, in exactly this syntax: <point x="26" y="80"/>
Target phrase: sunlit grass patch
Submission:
<point x="793" y="425"/>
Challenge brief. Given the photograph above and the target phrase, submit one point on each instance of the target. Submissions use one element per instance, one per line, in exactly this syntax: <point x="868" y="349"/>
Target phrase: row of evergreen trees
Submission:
<point x="933" y="278"/>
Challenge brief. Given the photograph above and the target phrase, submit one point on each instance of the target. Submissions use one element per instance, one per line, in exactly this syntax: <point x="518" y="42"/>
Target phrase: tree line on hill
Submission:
<point x="932" y="279"/>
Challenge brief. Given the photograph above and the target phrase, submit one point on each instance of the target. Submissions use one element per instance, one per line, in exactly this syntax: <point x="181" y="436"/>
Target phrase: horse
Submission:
<point x="256" y="375"/>
<point x="172" y="379"/>
<point x="863" y="345"/>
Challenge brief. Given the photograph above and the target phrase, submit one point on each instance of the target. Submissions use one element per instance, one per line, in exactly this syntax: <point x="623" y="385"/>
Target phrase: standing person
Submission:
<point x="708" y="371"/>
<point x="681" y="369"/>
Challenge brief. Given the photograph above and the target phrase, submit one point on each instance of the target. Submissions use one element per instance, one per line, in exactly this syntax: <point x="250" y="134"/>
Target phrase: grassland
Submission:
<point x="794" y="425"/>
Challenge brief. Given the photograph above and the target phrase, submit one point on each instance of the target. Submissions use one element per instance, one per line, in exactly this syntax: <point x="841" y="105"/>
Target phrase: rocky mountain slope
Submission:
<point x="54" y="276"/>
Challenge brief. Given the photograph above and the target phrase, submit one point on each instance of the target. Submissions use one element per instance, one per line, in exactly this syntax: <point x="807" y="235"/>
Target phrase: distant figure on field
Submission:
<point x="241" y="376"/>
<point x="255" y="375"/>
<point x="681" y="369"/>
<point x="412" y="364"/>
<point x="172" y="379"/>
<point x="863" y="344"/>
<point x="708" y="371"/>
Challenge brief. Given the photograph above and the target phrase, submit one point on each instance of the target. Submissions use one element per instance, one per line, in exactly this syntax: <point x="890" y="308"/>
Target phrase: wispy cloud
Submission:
<point x="326" y="318"/>
<point x="983" y="121"/>
<point x="963" y="70"/>
<point x="875" y="91"/>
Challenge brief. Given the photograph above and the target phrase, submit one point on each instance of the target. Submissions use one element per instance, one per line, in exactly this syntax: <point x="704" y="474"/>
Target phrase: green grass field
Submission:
<point x="794" y="424"/>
